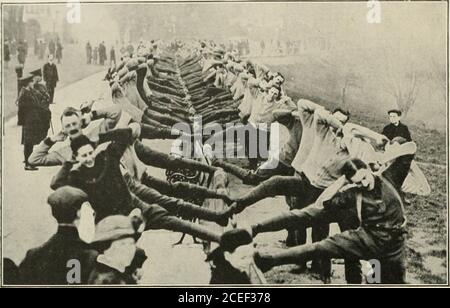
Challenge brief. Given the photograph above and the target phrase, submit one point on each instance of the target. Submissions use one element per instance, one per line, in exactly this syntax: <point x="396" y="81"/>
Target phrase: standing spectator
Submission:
<point x="130" y="49"/>
<point x="104" y="53"/>
<point x="262" y="44"/>
<point x="59" y="49"/>
<point x="95" y="55"/>
<point x="25" y="44"/>
<point x="51" y="47"/>
<point x="396" y="128"/>
<point x="101" y="56"/>
<point x="21" y="53"/>
<point x="43" y="99"/>
<point x="42" y="47"/>
<point x="29" y="119"/>
<point x="13" y="48"/>
<point x="6" y="53"/>
<point x="88" y="53"/>
<point x="112" y="56"/>
<point x="36" y="47"/>
<point x="50" y="77"/>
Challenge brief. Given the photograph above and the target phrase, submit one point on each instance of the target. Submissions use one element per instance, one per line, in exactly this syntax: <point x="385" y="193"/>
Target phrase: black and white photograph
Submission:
<point x="224" y="143"/>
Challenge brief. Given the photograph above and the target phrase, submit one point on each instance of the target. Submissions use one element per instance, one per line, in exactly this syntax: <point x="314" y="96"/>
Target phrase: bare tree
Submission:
<point x="406" y="91"/>
<point x="403" y="82"/>
<point x="439" y="74"/>
<point x="350" y="81"/>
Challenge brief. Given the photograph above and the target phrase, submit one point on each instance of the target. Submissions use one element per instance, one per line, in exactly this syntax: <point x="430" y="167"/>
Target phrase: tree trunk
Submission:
<point x="343" y="96"/>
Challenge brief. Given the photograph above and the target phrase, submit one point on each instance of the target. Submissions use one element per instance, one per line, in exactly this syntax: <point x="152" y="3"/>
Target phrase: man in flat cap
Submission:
<point x="43" y="98"/>
<point x="396" y="128"/>
<point x="115" y="238"/>
<point x="51" y="78"/>
<point x="65" y="258"/>
<point x="29" y="117"/>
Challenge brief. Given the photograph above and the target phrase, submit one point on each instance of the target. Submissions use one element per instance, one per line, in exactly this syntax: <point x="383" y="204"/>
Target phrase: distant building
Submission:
<point x="31" y="22"/>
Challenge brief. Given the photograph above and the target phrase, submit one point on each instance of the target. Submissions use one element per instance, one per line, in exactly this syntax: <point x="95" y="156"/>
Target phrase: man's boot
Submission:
<point x="232" y="239"/>
<point x="219" y="217"/>
<point x="247" y="176"/>
<point x="294" y="255"/>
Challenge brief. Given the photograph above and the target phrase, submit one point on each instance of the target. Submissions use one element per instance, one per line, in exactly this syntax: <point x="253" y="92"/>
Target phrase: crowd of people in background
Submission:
<point x="41" y="47"/>
<point x="98" y="55"/>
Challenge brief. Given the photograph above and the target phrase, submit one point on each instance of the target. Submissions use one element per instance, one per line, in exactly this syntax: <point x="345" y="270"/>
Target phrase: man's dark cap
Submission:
<point x="65" y="203"/>
<point x="25" y="80"/>
<point x="37" y="72"/>
<point x="397" y="111"/>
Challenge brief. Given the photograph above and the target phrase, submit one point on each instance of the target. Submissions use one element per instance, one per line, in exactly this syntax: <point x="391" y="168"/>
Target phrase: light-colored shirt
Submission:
<point x="308" y="134"/>
<point x="291" y="147"/>
<point x="262" y="111"/>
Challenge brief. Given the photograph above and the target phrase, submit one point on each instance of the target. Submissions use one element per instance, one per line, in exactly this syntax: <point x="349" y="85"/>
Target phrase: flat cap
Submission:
<point x="65" y="203"/>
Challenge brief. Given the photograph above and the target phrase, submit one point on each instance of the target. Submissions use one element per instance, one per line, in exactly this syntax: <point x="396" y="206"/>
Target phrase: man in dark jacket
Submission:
<point x="396" y="128"/>
<point x="59" y="49"/>
<point x="88" y="53"/>
<point x="50" y="77"/>
<point x="43" y="99"/>
<point x="6" y="53"/>
<point x="112" y="56"/>
<point x="21" y="53"/>
<point x="102" y="53"/>
<point x="52" y="47"/>
<point x="65" y="258"/>
<point x="29" y="118"/>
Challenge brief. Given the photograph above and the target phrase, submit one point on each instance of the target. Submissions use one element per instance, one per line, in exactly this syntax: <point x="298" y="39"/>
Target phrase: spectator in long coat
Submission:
<point x="95" y="55"/>
<point x="59" y="49"/>
<point x="43" y="98"/>
<point x="102" y="53"/>
<point x="33" y="128"/>
<point x="42" y="47"/>
<point x="112" y="56"/>
<point x="21" y="52"/>
<point x="52" y="47"/>
<point x="50" y="77"/>
<point x="36" y="47"/>
<point x="13" y="47"/>
<point x="88" y="53"/>
<point x="65" y="258"/>
<point x="6" y="53"/>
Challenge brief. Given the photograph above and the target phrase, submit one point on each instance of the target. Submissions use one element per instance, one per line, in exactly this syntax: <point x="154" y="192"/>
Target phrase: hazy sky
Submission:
<point x="398" y="20"/>
<point x="410" y="34"/>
